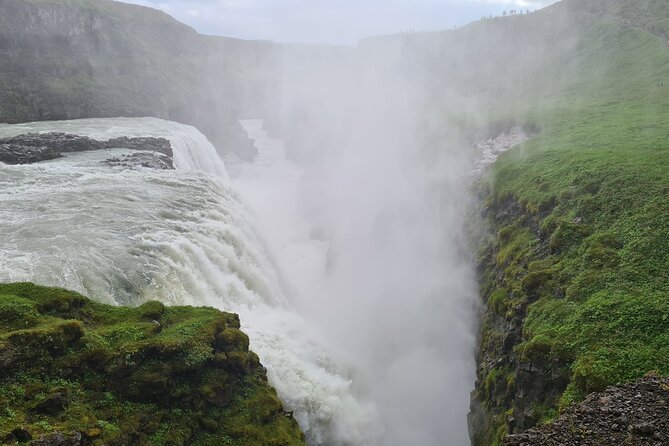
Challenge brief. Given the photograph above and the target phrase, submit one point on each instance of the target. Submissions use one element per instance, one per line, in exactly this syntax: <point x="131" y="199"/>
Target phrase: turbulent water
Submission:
<point x="182" y="237"/>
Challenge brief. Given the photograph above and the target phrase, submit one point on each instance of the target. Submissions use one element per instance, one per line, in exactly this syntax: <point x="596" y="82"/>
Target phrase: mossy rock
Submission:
<point x="535" y="281"/>
<point x="568" y="235"/>
<point x="498" y="301"/>
<point x="74" y="368"/>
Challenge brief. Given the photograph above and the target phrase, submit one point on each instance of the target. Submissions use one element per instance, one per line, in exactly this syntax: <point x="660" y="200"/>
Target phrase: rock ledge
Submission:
<point x="36" y="147"/>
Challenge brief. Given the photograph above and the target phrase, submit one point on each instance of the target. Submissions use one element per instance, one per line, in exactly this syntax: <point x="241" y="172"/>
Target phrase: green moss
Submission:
<point x="152" y="310"/>
<point x="498" y="301"/>
<point x="519" y="241"/>
<point x="544" y="413"/>
<point x="568" y="235"/>
<point x="499" y="434"/>
<point x="146" y="375"/>
<point x="570" y="396"/>
<point x="539" y="347"/>
<point x="535" y="281"/>
<point x="490" y="380"/>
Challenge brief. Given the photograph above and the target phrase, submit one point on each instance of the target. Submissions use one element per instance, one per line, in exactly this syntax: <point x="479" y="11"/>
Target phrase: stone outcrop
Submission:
<point x="150" y="160"/>
<point x="630" y="414"/>
<point x="33" y="148"/>
<point x="21" y="154"/>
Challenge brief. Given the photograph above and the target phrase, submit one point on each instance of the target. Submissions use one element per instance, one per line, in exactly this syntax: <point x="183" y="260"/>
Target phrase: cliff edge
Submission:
<point x="76" y="372"/>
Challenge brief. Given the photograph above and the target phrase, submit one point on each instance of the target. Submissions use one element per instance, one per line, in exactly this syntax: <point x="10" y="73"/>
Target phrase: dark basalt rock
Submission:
<point x="20" y="154"/>
<point x="511" y="388"/>
<point x="58" y="439"/>
<point x="52" y="404"/>
<point x="33" y="148"/>
<point x="636" y="413"/>
<point x="18" y="435"/>
<point x="60" y="142"/>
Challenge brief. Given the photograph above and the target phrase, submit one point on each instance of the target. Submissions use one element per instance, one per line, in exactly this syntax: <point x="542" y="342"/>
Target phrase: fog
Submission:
<point x="378" y="209"/>
<point x="371" y="237"/>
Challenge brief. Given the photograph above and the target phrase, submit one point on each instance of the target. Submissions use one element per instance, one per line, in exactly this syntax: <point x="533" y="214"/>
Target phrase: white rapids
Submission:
<point x="182" y="237"/>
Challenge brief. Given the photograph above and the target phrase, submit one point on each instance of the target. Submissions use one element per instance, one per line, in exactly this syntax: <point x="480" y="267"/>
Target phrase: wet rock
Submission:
<point x="160" y="145"/>
<point x="642" y="429"/>
<point x="150" y="160"/>
<point x="58" y="439"/>
<point x="36" y="147"/>
<point x="52" y="404"/>
<point x="491" y="149"/>
<point x="18" y="435"/>
<point x="59" y="142"/>
<point x="19" y="154"/>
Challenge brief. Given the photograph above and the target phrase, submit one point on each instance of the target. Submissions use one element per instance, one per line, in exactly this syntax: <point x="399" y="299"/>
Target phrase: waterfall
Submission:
<point x="182" y="237"/>
<point x="369" y="236"/>
<point x="192" y="150"/>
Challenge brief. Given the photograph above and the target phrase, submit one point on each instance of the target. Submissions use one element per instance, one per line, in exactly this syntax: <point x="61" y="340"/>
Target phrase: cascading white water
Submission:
<point x="182" y="237"/>
<point x="192" y="150"/>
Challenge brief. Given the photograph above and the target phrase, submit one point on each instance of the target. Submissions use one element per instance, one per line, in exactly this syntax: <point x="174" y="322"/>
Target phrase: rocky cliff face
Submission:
<point x="515" y="388"/>
<point x="85" y="59"/>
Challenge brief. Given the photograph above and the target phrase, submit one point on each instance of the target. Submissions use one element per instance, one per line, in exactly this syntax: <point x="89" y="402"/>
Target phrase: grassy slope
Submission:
<point x="587" y="258"/>
<point x="83" y="71"/>
<point x="147" y="375"/>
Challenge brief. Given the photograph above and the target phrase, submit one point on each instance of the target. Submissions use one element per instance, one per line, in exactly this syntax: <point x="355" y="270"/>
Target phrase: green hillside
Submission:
<point x="576" y="271"/>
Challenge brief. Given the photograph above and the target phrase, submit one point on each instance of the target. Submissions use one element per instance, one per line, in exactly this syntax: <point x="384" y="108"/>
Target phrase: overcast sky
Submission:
<point x="330" y="21"/>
